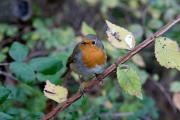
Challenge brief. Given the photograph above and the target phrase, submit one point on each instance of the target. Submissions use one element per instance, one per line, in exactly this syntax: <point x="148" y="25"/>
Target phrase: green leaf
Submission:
<point x="62" y="56"/>
<point x="135" y="106"/>
<point x="155" y="24"/>
<point x="9" y="30"/>
<point x="54" y="78"/>
<point x="86" y="29"/>
<point x="167" y="53"/>
<point x="2" y="57"/>
<point x="42" y="23"/>
<point x="37" y="115"/>
<point x="137" y="31"/>
<point x="46" y="65"/>
<point x="112" y="51"/>
<point x="3" y="28"/>
<point x="18" y="51"/>
<point x="170" y="14"/>
<point x="4" y="116"/>
<point x="12" y="31"/>
<point x="143" y="75"/>
<point x="4" y="93"/>
<point x="130" y="81"/>
<point x="105" y="4"/>
<point x="175" y="86"/>
<point x="59" y="37"/>
<point x="65" y="35"/>
<point x="23" y="71"/>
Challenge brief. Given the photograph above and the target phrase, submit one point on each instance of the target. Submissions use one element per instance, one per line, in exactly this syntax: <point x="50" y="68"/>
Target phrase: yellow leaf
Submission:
<point x="120" y="37"/>
<point x="167" y="53"/>
<point x="55" y="92"/>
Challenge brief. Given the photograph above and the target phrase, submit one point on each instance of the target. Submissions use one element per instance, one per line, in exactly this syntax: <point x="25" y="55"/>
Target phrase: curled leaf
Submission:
<point x="120" y="37"/>
<point x="55" y="92"/>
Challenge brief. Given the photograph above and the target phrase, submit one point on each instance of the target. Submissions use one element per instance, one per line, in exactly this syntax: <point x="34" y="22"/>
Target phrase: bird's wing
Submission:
<point x="72" y="57"/>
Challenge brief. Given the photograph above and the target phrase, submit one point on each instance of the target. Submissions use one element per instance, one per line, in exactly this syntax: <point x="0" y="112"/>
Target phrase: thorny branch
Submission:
<point x="110" y="69"/>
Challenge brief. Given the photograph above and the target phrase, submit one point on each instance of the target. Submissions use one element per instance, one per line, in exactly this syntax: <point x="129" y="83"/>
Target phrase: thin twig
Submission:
<point x="110" y="69"/>
<point x="7" y="75"/>
<point x="34" y="54"/>
<point x="166" y="95"/>
<point x="37" y="53"/>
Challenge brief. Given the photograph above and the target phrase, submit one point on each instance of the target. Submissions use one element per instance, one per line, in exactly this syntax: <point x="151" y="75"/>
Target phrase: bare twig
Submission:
<point x="110" y="69"/>
<point x="7" y="75"/>
<point x="34" y="54"/>
<point x="37" y="53"/>
<point x="166" y="95"/>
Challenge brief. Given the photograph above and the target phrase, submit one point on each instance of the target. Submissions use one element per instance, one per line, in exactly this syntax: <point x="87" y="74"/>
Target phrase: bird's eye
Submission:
<point x="93" y="42"/>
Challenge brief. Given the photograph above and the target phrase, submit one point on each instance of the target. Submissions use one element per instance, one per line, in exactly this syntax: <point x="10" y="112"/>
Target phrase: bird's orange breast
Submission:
<point x="92" y="56"/>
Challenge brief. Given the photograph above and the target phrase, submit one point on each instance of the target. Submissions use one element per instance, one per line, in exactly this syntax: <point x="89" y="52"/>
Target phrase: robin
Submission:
<point x="88" y="57"/>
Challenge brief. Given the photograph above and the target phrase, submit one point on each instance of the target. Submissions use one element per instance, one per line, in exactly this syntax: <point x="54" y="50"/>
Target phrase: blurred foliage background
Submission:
<point x="35" y="50"/>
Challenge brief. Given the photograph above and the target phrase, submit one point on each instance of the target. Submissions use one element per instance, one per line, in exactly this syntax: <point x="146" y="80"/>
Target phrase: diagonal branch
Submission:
<point x="110" y="69"/>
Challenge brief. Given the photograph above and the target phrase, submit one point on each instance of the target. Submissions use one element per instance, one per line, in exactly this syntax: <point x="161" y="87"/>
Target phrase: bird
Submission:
<point x="13" y="10"/>
<point x="88" y="58"/>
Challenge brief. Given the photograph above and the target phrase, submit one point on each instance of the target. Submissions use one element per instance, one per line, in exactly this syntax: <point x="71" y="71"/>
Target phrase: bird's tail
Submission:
<point x="65" y="73"/>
